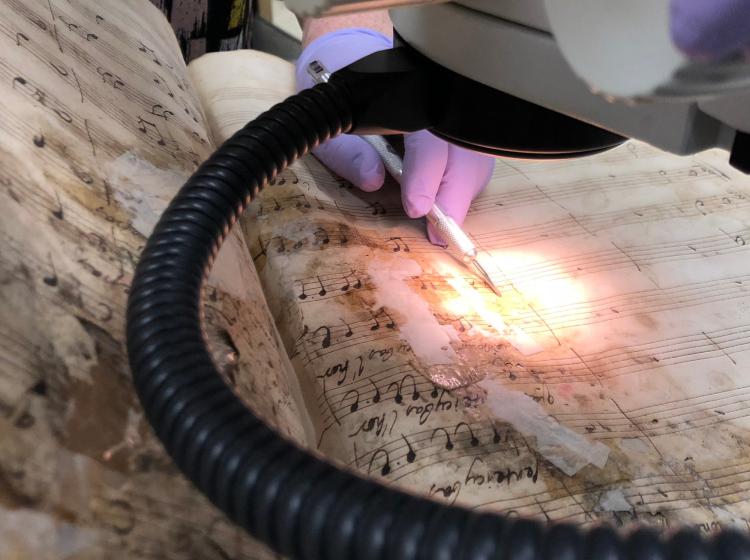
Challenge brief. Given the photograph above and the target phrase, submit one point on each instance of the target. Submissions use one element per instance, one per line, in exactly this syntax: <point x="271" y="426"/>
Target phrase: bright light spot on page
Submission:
<point x="478" y="305"/>
<point x="543" y="285"/>
<point x="531" y="286"/>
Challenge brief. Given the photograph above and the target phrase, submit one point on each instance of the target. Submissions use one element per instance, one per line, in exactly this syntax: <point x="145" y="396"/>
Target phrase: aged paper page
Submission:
<point x="98" y="129"/>
<point x="608" y="383"/>
<point x="236" y="87"/>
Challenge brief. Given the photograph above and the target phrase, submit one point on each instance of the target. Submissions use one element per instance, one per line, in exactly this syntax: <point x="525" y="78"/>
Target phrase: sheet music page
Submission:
<point x="99" y="128"/>
<point x="236" y="87"/>
<point x="608" y="383"/>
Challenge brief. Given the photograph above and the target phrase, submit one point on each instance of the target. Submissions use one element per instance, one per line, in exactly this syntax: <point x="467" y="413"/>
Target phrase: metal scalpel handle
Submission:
<point x="391" y="160"/>
<point x="458" y="242"/>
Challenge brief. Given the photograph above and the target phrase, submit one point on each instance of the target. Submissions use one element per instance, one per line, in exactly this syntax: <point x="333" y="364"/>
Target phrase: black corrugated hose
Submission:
<point x="298" y="504"/>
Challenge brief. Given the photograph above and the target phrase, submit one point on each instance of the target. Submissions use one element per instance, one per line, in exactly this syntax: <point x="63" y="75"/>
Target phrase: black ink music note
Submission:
<point x="355" y="405"/>
<point x="448" y="442"/>
<point x="149" y="52"/>
<point x="159" y="111"/>
<point x="376" y="397"/>
<point x="348" y="332"/>
<point x="20" y="36"/>
<point x="77" y="29"/>
<point x="322" y="291"/>
<point x="303" y="295"/>
<point x="415" y="393"/>
<point x="51" y="280"/>
<point x="263" y="246"/>
<point x="347" y="285"/>
<point x="434" y="393"/>
<point x="276" y="206"/>
<point x="474" y="441"/>
<point x="398" y="243"/>
<point x="700" y="206"/>
<point x="496" y="436"/>
<point x="423" y="286"/>
<point x="326" y="339"/>
<point x="321" y="236"/>
<point x="282" y="247"/>
<point x="189" y="113"/>
<point x="411" y="455"/>
<point x="398" y="398"/>
<point x="195" y="157"/>
<point x="357" y="284"/>
<point x="99" y="19"/>
<point x="162" y="85"/>
<point x="377" y="208"/>
<point x="300" y="201"/>
<point x="400" y="387"/>
<point x="82" y="175"/>
<point x="39" y="96"/>
<point x="90" y="268"/>
<point x="739" y="240"/>
<point x="58" y="213"/>
<point x="198" y="138"/>
<point x="39" y="140"/>
<point x="59" y="68"/>
<point x="343" y="238"/>
<point x="461" y="326"/>
<point x="109" y="78"/>
<point x="391" y="323"/>
<point x="283" y="178"/>
<point x="64" y="115"/>
<point x="71" y="26"/>
<point x="151" y="130"/>
<point x="386" y="467"/>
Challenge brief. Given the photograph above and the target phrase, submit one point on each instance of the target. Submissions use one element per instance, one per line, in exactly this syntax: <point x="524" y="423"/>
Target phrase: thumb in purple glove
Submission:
<point x="436" y="172"/>
<point x="348" y="156"/>
<point x="710" y="29"/>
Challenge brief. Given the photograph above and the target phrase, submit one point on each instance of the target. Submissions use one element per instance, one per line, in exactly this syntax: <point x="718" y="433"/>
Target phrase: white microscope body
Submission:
<point x="610" y="63"/>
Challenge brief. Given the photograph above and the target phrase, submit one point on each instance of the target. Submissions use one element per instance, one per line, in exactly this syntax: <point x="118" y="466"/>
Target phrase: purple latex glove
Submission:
<point x="710" y="29"/>
<point x="434" y="171"/>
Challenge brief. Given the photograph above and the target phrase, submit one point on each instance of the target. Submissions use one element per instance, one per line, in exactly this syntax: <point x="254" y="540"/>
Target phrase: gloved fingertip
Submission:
<point x="354" y="160"/>
<point x="434" y="237"/>
<point x="709" y="30"/>
<point x="416" y="205"/>
<point x="371" y="173"/>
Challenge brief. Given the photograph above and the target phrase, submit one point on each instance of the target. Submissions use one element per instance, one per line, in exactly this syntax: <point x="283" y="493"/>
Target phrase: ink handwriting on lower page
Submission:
<point x="601" y="296"/>
<point x="624" y="303"/>
<point x="82" y="181"/>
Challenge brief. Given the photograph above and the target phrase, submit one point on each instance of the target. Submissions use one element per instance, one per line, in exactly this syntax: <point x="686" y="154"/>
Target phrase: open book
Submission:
<point x="607" y="383"/>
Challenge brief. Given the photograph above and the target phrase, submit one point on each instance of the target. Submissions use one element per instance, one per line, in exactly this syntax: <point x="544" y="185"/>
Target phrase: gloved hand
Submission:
<point x="710" y="29"/>
<point x="434" y="171"/>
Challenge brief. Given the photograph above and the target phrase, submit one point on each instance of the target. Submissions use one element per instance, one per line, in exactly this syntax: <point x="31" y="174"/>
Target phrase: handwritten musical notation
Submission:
<point x="613" y="184"/>
<point x="610" y="298"/>
<point x="78" y="95"/>
<point x="626" y="269"/>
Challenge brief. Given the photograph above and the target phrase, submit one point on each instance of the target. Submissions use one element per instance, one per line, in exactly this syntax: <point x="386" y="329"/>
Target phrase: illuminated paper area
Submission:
<point x="623" y="323"/>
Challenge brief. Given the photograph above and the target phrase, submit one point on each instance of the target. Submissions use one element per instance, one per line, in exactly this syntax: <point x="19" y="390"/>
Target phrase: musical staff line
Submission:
<point x="533" y="194"/>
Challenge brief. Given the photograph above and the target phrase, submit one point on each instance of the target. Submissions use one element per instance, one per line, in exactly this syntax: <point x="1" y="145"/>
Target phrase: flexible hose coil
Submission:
<point x="299" y="505"/>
